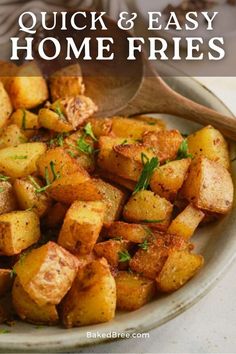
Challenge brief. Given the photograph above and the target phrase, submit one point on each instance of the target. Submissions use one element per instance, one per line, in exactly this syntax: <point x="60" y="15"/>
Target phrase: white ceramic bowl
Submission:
<point x="216" y="242"/>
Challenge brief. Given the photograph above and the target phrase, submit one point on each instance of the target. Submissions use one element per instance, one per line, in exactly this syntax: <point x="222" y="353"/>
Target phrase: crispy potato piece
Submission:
<point x="210" y="143"/>
<point x="82" y="226"/>
<point x="7" y="71"/>
<point x="100" y="126"/>
<point x="111" y="250"/>
<point x="147" y="208"/>
<point x="169" y="178"/>
<point x="8" y="201"/>
<point x="53" y="121"/>
<point x="29" y="311"/>
<point x="5" y="106"/>
<point x="93" y="286"/>
<point x="6" y="281"/>
<point x="133" y="291"/>
<point x="20" y="161"/>
<point x="55" y="215"/>
<point x="132" y="128"/>
<point x="18" y="231"/>
<point x="63" y="163"/>
<point x="117" y="180"/>
<point x="66" y="82"/>
<point x="77" y="186"/>
<point x="28" y="198"/>
<point x="151" y="120"/>
<point x="179" y="267"/>
<point x="131" y="232"/>
<point x="12" y="136"/>
<point x="150" y="262"/>
<point x="209" y="186"/>
<point x="186" y="222"/>
<point x="47" y="273"/>
<point x="165" y="143"/>
<point x="75" y="110"/>
<point x="27" y="121"/>
<point x="28" y="89"/>
<point x="113" y="198"/>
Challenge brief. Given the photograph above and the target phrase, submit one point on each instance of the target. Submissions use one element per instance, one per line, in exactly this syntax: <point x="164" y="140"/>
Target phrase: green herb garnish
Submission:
<point x="183" y="151"/>
<point x="59" y="112"/>
<point x="83" y="146"/>
<point x="148" y="169"/>
<point x="152" y="221"/>
<point x="88" y="130"/>
<point x="124" y="142"/>
<point x="4" y="178"/>
<point x="59" y="139"/>
<point x="151" y="123"/>
<point x="71" y="153"/>
<point x="4" y="331"/>
<point x="23" y="126"/>
<point x="1" y="190"/>
<point x="124" y="256"/>
<point x="117" y="238"/>
<point x="144" y="245"/>
<point x="13" y="273"/>
<point x="56" y="175"/>
<point x="19" y="157"/>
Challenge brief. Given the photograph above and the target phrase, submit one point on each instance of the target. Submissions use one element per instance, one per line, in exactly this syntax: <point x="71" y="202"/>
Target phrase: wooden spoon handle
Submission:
<point x="155" y="96"/>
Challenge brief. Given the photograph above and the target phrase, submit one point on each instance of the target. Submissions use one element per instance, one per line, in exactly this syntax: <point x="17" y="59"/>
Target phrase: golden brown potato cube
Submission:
<point x="29" y="311"/>
<point x="7" y="197"/>
<point x="66" y="82"/>
<point x="82" y="226"/>
<point x="133" y="291"/>
<point x="75" y="110"/>
<point x="5" y="106"/>
<point x="18" y="231"/>
<point x="210" y="143"/>
<point x="28" y="89"/>
<point x="209" y="186"/>
<point x="131" y="232"/>
<point x="77" y="186"/>
<point x="112" y="250"/>
<point x="12" y="136"/>
<point x="179" y="267"/>
<point x="55" y="215"/>
<point x="52" y="120"/>
<point x="6" y="281"/>
<point x="63" y="163"/>
<point x="47" y="273"/>
<point x="27" y="121"/>
<point x="28" y="197"/>
<point x="20" y="161"/>
<point x="92" y="298"/>
<point x="7" y="71"/>
<point x="150" y="261"/>
<point x="131" y="128"/>
<point x="165" y="143"/>
<point x="100" y="126"/>
<point x="151" y="120"/>
<point x="147" y="208"/>
<point x="117" y="180"/>
<point x="186" y="222"/>
<point x="169" y="178"/>
<point x="113" y="198"/>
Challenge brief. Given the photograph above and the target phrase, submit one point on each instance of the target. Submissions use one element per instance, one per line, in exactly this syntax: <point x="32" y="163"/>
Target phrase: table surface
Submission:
<point x="210" y="325"/>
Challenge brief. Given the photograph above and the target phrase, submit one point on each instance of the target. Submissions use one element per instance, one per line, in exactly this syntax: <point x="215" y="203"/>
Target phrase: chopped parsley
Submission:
<point x="144" y="245"/>
<point x="56" y="176"/>
<point x="13" y="273"/>
<point x="88" y="130"/>
<point x="58" y="111"/>
<point x="84" y="147"/>
<point x="124" y="256"/>
<point x="4" y="178"/>
<point x="125" y="142"/>
<point x="71" y="153"/>
<point x="183" y="151"/>
<point x="58" y="140"/>
<point x="148" y="169"/>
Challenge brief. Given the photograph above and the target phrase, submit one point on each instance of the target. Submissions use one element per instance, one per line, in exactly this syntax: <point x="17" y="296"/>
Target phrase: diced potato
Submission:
<point x="47" y="273"/>
<point x="113" y="198"/>
<point x="151" y="120"/>
<point x="131" y="128"/>
<point x="28" y="89"/>
<point x="179" y="267"/>
<point x="82" y="226"/>
<point x="209" y="186"/>
<point x="5" y="106"/>
<point x="66" y="82"/>
<point x="210" y="143"/>
<point x="113" y="178"/>
<point x="169" y="178"/>
<point x="147" y="208"/>
<point x="51" y="120"/>
<point x="111" y="250"/>
<point x="150" y="261"/>
<point x="20" y="161"/>
<point x="133" y="291"/>
<point x="100" y="126"/>
<point x="29" y="311"/>
<point x="12" y="136"/>
<point x="92" y="298"/>
<point x="131" y="232"/>
<point x="56" y="215"/>
<point x="6" y="281"/>
<point x="7" y="198"/>
<point x="28" y="197"/>
<point x="186" y="222"/>
<point x="27" y="121"/>
<point x="7" y="71"/>
<point x="18" y="231"/>
<point x="63" y="163"/>
<point x="166" y="143"/>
